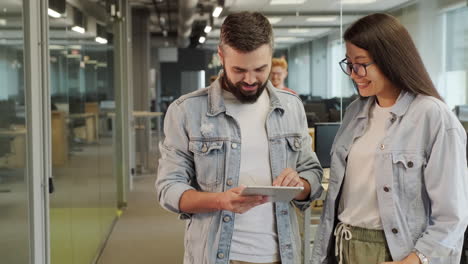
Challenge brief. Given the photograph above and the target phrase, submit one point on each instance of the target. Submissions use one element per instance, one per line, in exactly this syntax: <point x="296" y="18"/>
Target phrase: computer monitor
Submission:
<point x="324" y="135"/>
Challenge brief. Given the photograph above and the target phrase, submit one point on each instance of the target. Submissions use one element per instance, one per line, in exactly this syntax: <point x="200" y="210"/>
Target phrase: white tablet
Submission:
<point x="274" y="193"/>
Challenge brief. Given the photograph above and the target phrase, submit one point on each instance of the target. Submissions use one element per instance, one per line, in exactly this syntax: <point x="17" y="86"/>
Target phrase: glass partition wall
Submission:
<point x="14" y="194"/>
<point x="313" y="65"/>
<point x="84" y="204"/>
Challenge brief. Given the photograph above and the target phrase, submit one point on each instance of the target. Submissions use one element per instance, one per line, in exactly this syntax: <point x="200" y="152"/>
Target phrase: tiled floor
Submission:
<point x="145" y="233"/>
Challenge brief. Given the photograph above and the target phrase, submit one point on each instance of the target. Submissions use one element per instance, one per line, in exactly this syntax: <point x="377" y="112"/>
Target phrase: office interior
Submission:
<point x="84" y="85"/>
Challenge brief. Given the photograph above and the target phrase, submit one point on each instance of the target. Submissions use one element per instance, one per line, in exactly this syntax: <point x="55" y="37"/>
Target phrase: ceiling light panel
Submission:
<point x="217" y="11"/>
<point x="322" y="19"/>
<point x="78" y="29"/>
<point x="287" y="2"/>
<point x="358" y="2"/>
<point x="298" y="30"/>
<point x="286" y="39"/>
<point x="202" y="39"/>
<point x="274" y="20"/>
<point x="53" y="13"/>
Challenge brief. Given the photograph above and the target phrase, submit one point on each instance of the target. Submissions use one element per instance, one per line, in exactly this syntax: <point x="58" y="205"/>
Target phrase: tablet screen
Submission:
<point x="275" y="193"/>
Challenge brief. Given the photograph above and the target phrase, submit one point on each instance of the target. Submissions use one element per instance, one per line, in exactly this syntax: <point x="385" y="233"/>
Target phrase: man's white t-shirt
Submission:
<point x="255" y="237"/>
<point x="358" y="204"/>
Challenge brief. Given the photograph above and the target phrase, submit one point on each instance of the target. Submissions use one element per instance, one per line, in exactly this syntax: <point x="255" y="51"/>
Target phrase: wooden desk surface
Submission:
<point x="146" y="114"/>
<point x="82" y="115"/>
<point x="13" y="132"/>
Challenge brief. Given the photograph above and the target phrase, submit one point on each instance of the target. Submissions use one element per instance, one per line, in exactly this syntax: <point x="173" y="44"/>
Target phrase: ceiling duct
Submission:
<point x="187" y="10"/>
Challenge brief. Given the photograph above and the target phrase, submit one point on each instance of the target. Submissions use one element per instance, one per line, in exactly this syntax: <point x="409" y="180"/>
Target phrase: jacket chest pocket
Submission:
<point x="408" y="170"/>
<point x="209" y="163"/>
<point x="293" y="147"/>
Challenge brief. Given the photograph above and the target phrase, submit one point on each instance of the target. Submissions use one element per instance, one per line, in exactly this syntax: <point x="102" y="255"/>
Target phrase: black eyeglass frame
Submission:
<point x="354" y="67"/>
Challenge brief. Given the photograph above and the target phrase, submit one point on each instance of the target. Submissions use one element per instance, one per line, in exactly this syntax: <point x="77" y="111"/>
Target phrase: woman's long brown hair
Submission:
<point x="394" y="52"/>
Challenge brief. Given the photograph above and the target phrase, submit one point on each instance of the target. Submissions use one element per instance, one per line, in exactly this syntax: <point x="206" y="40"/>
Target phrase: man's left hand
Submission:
<point x="290" y="177"/>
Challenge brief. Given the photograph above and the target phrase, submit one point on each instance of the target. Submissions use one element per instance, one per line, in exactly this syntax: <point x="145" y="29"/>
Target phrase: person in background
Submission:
<point x="279" y="72"/>
<point x="398" y="187"/>
<point x="239" y="131"/>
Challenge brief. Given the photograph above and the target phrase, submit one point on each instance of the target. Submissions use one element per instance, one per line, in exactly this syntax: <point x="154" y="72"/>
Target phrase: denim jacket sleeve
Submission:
<point x="446" y="182"/>
<point x="176" y="168"/>
<point x="308" y="166"/>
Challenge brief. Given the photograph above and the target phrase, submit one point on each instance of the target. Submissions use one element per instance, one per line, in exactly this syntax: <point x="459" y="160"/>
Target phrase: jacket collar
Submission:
<point x="216" y="103"/>
<point x="399" y="108"/>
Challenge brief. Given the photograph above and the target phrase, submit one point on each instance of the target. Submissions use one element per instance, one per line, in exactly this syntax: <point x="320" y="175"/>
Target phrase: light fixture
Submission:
<point x="101" y="40"/>
<point x="274" y="20"/>
<point x="357" y="2"/>
<point x="286" y="39"/>
<point x="287" y="2"/>
<point x="78" y="29"/>
<point x="53" y="13"/>
<point x="202" y="39"/>
<point x="3" y="22"/>
<point x="321" y="19"/>
<point x="79" y="22"/>
<point x="207" y="29"/>
<point x="217" y="11"/>
<point x="56" y="8"/>
<point x="298" y="30"/>
<point x="101" y="34"/>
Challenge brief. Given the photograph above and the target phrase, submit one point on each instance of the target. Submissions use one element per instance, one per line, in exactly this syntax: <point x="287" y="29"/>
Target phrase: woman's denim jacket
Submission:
<point x="202" y="151"/>
<point x="421" y="179"/>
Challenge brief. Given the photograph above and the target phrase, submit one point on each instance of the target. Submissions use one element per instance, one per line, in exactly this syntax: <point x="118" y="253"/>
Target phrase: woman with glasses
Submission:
<point x="398" y="181"/>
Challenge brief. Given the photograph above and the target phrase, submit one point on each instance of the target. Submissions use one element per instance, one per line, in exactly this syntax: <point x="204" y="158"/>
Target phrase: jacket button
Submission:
<point x="204" y="148"/>
<point x="229" y="182"/>
<point x="393" y="119"/>
<point x="297" y="145"/>
<point x="226" y="218"/>
<point x="386" y="189"/>
<point x="234" y="145"/>
<point x="284" y="212"/>
<point x="410" y="164"/>
<point x="221" y="255"/>
<point x="382" y="147"/>
<point x="394" y="231"/>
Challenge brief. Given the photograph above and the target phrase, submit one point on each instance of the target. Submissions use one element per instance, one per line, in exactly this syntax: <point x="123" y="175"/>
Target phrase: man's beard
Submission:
<point x="239" y="93"/>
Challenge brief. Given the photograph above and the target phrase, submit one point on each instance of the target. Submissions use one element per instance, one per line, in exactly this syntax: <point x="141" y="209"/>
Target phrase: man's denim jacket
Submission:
<point x="421" y="179"/>
<point x="201" y="151"/>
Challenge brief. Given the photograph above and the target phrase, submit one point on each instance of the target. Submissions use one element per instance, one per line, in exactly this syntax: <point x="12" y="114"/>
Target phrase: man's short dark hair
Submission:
<point x="246" y="31"/>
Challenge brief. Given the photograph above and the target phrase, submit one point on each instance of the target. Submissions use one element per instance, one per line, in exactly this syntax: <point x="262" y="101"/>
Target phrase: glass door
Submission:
<point x="14" y="195"/>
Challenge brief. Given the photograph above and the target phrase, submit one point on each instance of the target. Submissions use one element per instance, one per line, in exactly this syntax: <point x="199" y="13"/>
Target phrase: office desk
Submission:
<point x="17" y="156"/>
<point x="312" y="135"/>
<point x="59" y="138"/>
<point x="90" y="132"/>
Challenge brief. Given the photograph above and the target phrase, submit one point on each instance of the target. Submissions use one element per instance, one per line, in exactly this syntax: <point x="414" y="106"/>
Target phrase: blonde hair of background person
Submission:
<point x="279" y="72"/>
<point x="398" y="188"/>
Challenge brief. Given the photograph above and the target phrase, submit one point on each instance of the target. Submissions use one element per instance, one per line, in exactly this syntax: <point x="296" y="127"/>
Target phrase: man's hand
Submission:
<point x="290" y="177"/>
<point x="231" y="200"/>
<point x="411" y="259"/>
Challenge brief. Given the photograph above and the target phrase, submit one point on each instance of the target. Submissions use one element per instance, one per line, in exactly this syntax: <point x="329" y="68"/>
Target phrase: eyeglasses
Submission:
<point x="359" y="69"/>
